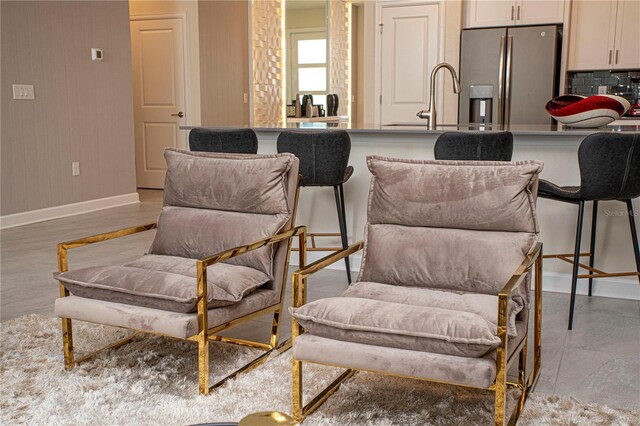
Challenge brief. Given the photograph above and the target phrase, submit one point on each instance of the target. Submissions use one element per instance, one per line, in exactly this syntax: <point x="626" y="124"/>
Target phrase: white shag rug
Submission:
<point x="153" y="381"/>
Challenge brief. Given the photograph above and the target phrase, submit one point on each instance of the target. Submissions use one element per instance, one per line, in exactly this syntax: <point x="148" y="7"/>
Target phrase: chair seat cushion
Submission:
<point x="163" y="282"/>
<point x="476" y="372"/>
<point x="547" y="188"/>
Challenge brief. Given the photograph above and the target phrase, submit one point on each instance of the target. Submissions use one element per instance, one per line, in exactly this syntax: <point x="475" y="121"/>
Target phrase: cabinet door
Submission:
<point x="627" y="45"/>
<point x="592" y="34"/>
<point x="533" y="12"/>
<point x="489" y="13"/>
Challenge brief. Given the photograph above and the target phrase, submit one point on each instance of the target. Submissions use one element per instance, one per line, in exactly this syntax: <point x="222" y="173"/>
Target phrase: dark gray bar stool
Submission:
<point x="474" y="146"/>
<point x="324" y="159"/>
<point x="233" y="141"/>
<point x="609" y="170"/>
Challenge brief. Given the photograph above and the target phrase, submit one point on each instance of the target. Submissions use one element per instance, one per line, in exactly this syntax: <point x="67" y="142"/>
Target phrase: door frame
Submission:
<point x="185" y="58"/>
<point x="377" y="73"/>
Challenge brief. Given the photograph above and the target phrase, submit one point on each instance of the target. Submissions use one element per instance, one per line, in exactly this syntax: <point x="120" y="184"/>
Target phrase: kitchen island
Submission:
<point x="555" y="145"/>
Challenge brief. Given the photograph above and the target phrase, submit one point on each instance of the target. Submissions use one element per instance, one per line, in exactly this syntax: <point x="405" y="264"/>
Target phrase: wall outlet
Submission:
<point x="245" y="98"/>
<point x="602" y="90"/>
<point x="23" y="91"/>
<point x="96" y="54"/>
<point x="75" y="168"/>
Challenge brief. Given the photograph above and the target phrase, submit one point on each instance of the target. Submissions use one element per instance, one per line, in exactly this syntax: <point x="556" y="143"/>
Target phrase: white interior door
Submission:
<point x="157" y="51"/>
<point x="409" y="53"/>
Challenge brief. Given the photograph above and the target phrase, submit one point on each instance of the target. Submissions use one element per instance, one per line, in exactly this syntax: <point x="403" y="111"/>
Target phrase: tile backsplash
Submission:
<point x="586" y="83"/>
<point x="621" y="83"/>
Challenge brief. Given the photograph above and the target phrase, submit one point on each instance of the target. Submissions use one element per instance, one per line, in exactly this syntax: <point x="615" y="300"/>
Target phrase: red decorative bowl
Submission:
<point x="592" y="111"/>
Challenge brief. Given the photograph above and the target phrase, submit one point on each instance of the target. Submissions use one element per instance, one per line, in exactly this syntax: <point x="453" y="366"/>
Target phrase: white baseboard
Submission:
<point x="616" y="288"/>
<point x="33" y="216"/>
<point x="551" y="281"/>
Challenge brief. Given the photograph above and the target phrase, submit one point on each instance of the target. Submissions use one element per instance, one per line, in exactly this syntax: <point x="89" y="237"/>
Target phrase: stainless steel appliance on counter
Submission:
<point x="509" y="74"/>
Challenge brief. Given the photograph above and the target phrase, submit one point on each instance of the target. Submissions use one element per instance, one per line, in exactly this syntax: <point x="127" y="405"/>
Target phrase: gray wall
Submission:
<point x="83" y="110"/>
<point x="224" y="61"/>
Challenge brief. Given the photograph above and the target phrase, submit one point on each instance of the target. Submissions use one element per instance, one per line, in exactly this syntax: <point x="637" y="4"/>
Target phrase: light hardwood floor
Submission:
<point x="599" y="361"/>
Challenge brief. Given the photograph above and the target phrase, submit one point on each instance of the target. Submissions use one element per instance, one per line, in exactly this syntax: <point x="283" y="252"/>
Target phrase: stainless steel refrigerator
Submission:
<point x="508" y="74"/>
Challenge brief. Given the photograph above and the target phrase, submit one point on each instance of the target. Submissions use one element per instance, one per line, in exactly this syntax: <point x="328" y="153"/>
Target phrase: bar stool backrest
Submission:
<point x="231" y="141"/>
<point x="474" y="146"/>
<point x="324" y="155"/>
<point x="610" y="166"/>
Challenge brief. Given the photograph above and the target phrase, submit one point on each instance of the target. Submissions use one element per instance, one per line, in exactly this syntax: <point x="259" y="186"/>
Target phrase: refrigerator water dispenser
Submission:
<point x="480" y="103"/>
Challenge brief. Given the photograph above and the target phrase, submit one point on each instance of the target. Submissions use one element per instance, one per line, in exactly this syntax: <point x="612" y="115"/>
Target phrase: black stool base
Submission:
<point x="338" y="191"/>
<point x="576" y="256"/>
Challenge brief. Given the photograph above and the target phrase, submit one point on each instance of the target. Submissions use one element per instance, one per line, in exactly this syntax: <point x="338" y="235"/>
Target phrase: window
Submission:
<point x="308" y="65"/>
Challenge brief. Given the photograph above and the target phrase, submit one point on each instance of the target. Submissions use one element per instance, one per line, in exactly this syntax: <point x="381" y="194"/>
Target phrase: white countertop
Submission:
<point x="620" y="126"/>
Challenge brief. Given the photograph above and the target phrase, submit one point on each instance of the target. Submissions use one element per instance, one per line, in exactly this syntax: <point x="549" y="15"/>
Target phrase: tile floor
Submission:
<point x="599" y="361"/>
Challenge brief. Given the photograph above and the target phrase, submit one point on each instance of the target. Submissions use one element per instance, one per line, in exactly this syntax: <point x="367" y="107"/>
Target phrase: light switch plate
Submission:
<point x="602" y="90"/>
<point x="23" y="91"/>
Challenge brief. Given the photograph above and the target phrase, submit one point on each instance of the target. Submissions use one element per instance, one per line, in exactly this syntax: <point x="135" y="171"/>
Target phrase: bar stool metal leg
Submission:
<point x="576" y="261"/>
<point x="592" y="249"/>
<point x="339" y="194"/>
<point x="634" y="234"/>
<point x="345" y="235"/>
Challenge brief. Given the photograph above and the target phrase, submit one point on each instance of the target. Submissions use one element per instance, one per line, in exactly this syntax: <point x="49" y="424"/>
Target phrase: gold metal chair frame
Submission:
<point x="503" y="362"/>
<point x="205" y="334"/>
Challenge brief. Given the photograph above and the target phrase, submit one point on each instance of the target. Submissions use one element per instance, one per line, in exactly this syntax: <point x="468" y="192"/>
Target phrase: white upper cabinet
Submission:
<point x="592" y="34"/>
<point x="604" y="35"/>
<point x="534" y="12"/>
<point x="490" y="13"/>
<point x="627" y="40"/>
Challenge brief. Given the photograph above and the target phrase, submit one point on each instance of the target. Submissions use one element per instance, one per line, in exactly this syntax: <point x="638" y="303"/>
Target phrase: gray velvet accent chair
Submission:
<point x="443" y="292"/>
<point x="219" y="258"/>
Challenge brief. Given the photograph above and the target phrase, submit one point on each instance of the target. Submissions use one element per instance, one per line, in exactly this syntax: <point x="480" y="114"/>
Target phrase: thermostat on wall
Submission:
<point x="96" y="54"/>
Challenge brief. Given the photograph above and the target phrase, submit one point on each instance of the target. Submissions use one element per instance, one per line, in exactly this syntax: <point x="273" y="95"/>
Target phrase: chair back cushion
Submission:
<point x="215" y="202"/>
<point x="457" y="225"/>
<point x="478" y="146"/>
<point x="610" y="166"/>
<point x="238" y="141"/>
<point x="324" y="155"/>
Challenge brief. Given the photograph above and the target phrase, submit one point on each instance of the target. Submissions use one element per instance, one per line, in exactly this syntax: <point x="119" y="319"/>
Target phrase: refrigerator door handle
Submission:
<point x="507" y="87"/>
<point x="501" y="81"/>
